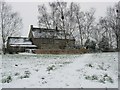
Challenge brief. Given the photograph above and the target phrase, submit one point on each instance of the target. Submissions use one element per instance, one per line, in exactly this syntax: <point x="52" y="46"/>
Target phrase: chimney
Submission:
<point x="31" y="26"/>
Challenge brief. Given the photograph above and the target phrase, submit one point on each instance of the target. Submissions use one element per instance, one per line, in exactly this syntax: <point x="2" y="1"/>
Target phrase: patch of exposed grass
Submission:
<point x="8" y="79"/>
<point x="52" y="67"/>
<point x="26" y="75"/>
<point x="100" y="78"/>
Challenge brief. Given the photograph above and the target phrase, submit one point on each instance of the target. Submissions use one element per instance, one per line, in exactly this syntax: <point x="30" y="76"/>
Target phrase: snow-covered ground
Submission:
<point x="0" y="70"/>
<point x="98" y="70"/>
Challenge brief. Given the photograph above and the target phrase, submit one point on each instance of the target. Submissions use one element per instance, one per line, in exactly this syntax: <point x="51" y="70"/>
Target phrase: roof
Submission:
<point x="46" y="29"/>
<point x="20" y="41"/>
<point x="49" y="33"/>
<point x="15" y="45"/>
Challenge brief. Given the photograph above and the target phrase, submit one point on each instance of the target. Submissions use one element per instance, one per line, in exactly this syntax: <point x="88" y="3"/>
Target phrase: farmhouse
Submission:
<point x="51" y="38"/>
<point x="41" y="39"/>
<point x="19" y="44"/>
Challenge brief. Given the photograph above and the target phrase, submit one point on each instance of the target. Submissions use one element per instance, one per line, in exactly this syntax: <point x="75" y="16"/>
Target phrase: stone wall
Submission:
<point x="60" y="51"/>
<point x="45" y="43"/>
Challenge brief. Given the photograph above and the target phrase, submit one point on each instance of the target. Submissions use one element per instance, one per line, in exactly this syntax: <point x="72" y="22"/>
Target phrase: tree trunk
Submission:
<point x="81" y="40"/>
<point x="3" y="48"/>
<point x="3" y="40"/>
<point x="118" y="43"/>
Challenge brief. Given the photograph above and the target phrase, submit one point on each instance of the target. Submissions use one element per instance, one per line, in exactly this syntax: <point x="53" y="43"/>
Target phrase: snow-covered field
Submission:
<point x="0" y="71"/>
<point x="60" y="71"/>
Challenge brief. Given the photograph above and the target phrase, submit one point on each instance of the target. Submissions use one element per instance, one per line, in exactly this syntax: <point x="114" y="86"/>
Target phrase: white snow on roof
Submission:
<point x="51" y="34"/>
<point x="38" y="34"/>
<point x="23" y="45"/>
<point x="19" y="41"/>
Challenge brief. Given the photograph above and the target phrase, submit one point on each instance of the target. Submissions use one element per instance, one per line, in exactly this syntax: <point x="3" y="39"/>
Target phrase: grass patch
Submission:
<point x="26" y="75"/>
<point x="8" y="79"/>
<point x="100" y="78"/>
<point x="52" y="67"/>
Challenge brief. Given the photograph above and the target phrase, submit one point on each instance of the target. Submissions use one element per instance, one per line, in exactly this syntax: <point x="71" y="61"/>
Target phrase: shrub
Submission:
<point x="16" y="74"/>
<point x="36" y="70"/>
<point x="104" y="44"/>
<point x="90" y="44"/>
<point x="108" y="78"/>
<point x="27" y="72"/>
<point x="93" y="77"/>
<point x="89" y="65"/>
<point x="102" y="81"/>
<point x="26" y="75"/>
<point x="49" y="68"/>
<point x="7" y="80"/>
<point x="3" y="80"/>
<point x="66" y="62"/>
<point x="88" y="77"/>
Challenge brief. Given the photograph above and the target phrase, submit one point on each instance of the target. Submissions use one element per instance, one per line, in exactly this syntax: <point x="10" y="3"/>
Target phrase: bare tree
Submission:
<point x="84" y="22"/>
<point x="89" y="22"/>
<point x="71" y="19"/>
<point x="54" y="14"/>
<point x="58" y="16"/>
<point x="67" y="17"/>
<point x="109" y="26"/>
<point x="44" y="19"/>
<point x="112" y="24"/>
<point x="58" y="12"/>
<point x="10" y="22"/>
<point x="79" y="18"/>
<point x="106" y="30"/>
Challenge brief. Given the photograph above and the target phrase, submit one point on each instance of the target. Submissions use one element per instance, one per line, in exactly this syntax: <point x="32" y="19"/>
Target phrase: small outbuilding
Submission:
<point x="19" y="44"/>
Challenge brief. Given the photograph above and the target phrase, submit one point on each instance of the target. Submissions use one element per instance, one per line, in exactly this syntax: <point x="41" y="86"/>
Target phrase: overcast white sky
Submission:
<point x="28" y="9"/>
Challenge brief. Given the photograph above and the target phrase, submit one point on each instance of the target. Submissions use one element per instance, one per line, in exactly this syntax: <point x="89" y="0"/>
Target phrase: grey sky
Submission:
<point x="28" y="11"/>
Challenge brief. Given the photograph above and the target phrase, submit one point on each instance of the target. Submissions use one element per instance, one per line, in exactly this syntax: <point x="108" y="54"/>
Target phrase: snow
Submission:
<point x="49" y="34"/>
<point x="25" y="53"/>
<point x="19" y="41"/>
<point x="37" y="34"/>
<point x="90" y="38"/>
<point x="61" y="71"/>
<point x="0" y="70"/>
<point x="23" y="45"/>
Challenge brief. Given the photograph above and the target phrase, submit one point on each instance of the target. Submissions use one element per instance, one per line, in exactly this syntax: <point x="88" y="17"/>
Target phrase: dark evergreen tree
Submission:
<point x="104" y="44"/>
